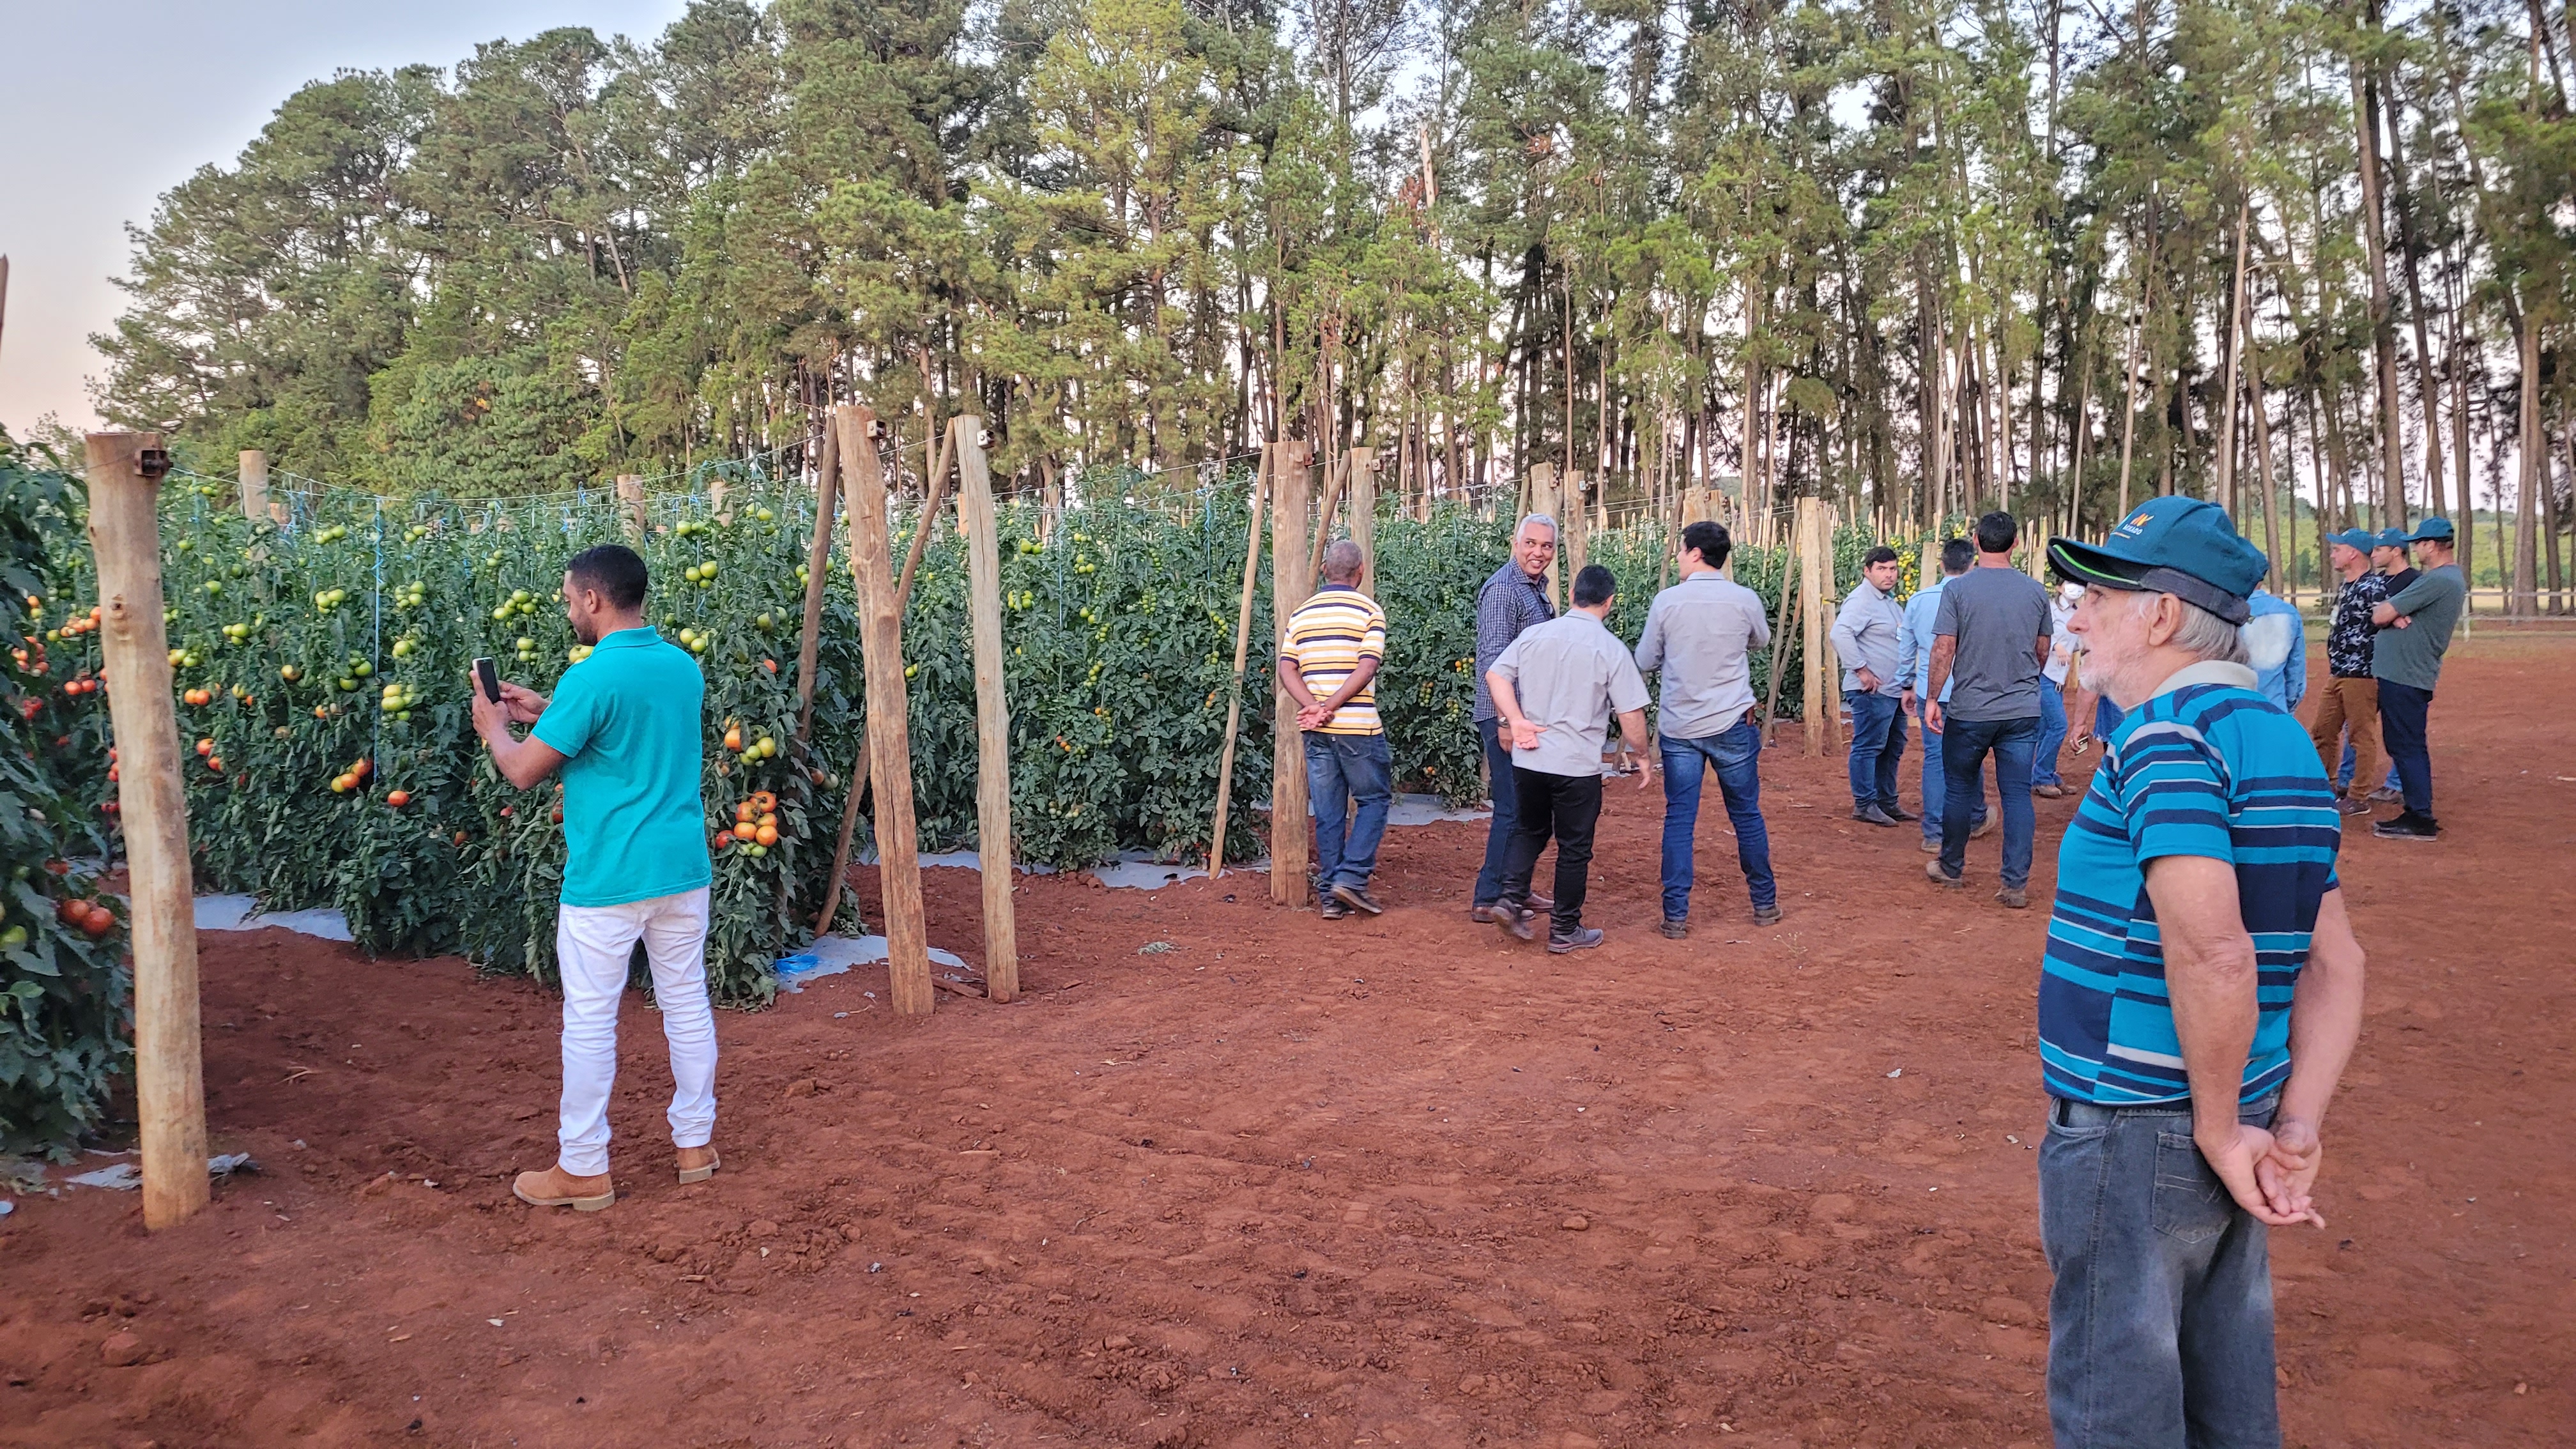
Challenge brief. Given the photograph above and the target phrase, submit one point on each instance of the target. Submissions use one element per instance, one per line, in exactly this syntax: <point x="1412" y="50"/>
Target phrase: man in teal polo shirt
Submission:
<point x="2199" y="996"/>
<point x="624" y="727"/>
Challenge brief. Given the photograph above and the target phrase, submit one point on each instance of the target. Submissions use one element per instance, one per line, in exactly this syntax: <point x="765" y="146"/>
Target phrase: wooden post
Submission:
<point x="1271" y="453"/>
<point x="818" y="559"/>
<point x="1811" y="611"/>
<point x="992" y="709"/>
<point x="1362" y="470"/>
<point x="934" y="492"/>
<point x="1290" y="841"/>
<point x="254" y="484"/>
<point x="169" y="1069"/>
<point x="1334" y="476"/>
<point x="630" y="496"/>
<point x="889" y="731"/>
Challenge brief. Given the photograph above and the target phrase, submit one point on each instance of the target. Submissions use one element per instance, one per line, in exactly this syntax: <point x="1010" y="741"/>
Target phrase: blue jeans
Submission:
<point x="2343" y="772"/>
<point x="1737" y="756"/>
<point x="2160" y="1318"/>
<point x="1498" y="834"/>
<point x="2052" y="735"/>
<point x="1877" y="746"/>
<point x="1343" y="768"/>
<point x="1964" y="747"/>
<point x="2404" y="712"/>
<point x="1933" y="792"/>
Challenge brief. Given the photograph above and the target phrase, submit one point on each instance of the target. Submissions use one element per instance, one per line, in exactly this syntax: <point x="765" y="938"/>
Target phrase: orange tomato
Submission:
<point x="215" y="763"/>
<point x="765" y="835"/>
<point x="343" y="784"/>
<point x="205" y="747"/>
<point x="762" y="801"/>
<point x="733" y="741"/>
<point x="398" y="799"/>
<point x="746" y="831"/>
<point x="770" y="821"/>
<point x="743" y="812"/>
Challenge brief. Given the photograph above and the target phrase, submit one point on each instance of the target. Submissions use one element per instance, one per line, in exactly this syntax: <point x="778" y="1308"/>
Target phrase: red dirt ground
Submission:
<point x="1390" y="1182"/>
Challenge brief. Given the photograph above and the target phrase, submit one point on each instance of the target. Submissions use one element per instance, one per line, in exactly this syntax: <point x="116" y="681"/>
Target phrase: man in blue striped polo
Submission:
<point x="2199" y="997"/>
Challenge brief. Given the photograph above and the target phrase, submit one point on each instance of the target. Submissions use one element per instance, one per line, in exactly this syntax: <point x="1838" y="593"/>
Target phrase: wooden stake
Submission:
<point x="630" y="494"/>
<point x="1779" y="641"/>
<point x="1290" y="838"/>
<point x="934" y="493"/>
<point x="1811" y="612"/>
<point x="1542" y="499"/>
<point x="1360" y="468"/>
<point x="1270" y="454"/>
<point x="1577" y="540"/>
<point x="818" y="560"/>
<point x="889" y="730"/>
<point x="254" y="484"/>
<point x="125" y="471"/>
<point x="1336" y="474"/>
<point x="992" y="710"/>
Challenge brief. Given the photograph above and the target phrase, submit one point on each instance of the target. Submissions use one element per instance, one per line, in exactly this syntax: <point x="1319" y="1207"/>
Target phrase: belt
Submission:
<point x="2067" y="1112"/>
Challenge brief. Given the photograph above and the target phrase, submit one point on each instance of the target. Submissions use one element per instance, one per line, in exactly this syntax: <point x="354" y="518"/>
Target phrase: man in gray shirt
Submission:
<point x="2415" y="626"/>
<point x="1989" y="645"/>
<point x="1701" y="633"/>
<point x="1514" y="598"/>
<point x="1865" y="635"/>
<point x="1553" y="687"/>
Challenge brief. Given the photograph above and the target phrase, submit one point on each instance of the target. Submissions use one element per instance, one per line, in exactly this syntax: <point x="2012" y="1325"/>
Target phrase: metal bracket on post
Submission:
<point x="153" y="463"/>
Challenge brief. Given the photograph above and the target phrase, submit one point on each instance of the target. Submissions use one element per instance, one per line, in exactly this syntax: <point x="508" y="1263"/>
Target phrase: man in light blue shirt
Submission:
<point x="1914" y="666"/>
<point x="625" y="728"/>
<point x="2276" y="644"/>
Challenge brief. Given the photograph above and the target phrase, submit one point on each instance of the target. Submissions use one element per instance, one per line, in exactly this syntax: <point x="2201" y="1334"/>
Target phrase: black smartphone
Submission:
<point x="488" y="679"/>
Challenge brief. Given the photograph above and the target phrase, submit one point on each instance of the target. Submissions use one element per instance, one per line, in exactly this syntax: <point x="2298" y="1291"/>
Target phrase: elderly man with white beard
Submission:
<point x="2199" y="996"/>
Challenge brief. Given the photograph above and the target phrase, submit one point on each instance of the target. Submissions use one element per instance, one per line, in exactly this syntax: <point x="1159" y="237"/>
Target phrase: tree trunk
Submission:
<point x="2383" y="333"/>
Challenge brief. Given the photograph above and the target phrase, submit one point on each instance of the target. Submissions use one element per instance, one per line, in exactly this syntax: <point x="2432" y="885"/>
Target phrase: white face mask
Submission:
<point x="2071" y="593"/>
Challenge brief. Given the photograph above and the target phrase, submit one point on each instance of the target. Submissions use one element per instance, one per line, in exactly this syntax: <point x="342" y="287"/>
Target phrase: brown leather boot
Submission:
<point x="697" y="1164"/>
<point x="555" y="1187"/>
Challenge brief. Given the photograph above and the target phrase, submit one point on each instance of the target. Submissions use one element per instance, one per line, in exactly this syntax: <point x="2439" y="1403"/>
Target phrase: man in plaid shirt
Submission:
<point x="1512" y="600"/>
<point x="2350" y="700"/>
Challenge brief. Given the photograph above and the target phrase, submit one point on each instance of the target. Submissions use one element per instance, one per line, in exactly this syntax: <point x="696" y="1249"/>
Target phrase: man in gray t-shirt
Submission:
<point x="1552" y="688"/>
<point x="1990" y="643"/>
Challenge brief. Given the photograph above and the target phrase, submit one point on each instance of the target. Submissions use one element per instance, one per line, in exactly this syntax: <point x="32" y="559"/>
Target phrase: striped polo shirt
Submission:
<point x="1327" y="638"/>
<point x="2207" y="767"/>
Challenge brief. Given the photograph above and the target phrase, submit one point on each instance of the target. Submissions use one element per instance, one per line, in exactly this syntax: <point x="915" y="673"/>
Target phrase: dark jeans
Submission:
<point x="2052" y="735"/>
<point x="1498" y="834"/>
<point x="1934" y="794"/>
<point x="1339" y="769"/>
<point x="1965" y="743"/>
<point x="1736" y="755"/>
<point x="1567" y="807"/>
<point x="2403" y="712"/>
<point x="2160" y="1319"/>
<point x="1877" y="745"/>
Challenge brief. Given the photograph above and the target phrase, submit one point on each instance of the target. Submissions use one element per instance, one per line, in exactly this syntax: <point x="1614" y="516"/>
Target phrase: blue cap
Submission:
<point x="2392" y="538"/>
<point x="2437" y="530"/>
<point x="2360" y="538"/>
<point x="2174" y="545"/>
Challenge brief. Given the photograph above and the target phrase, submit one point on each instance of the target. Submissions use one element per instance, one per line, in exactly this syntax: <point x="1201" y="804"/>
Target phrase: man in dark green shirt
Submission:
<point x="624" y="728"/>
<point x="2414" y="632"/>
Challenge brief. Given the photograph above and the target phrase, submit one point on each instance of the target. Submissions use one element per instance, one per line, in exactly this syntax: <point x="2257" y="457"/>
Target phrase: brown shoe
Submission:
<point x="697" y="1164"/>
<point x="1986" y="826"/>
<point x="555" y="1187"/>
<point x="1539" y="903"/>
<point x="1932" y="871"/>
<point x="2014" y="900"/>
<point x="1676" y="928"/>
<point x="2049" y="792"/>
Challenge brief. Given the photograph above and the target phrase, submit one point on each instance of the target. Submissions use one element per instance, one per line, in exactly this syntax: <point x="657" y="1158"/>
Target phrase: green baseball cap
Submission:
<point x="2186" y="547"/>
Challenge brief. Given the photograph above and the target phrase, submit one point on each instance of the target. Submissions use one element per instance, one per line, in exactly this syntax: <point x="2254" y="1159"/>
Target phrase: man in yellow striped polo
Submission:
<point x="1327" y="659"/>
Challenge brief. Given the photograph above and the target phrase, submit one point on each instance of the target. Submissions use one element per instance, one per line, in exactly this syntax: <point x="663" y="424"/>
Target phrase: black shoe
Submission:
<point x="1897" y="812"/>
<point x="1515" y="919"/>
<point x="1583" y="939"/>
<point x="1332" y="910"/>
<point x="1676" y="928"/>
<point x="2408" y="826"/>
<point x="1872" y="815"/>
<point x="1766" y="915"/>
<point x="1358" y="899"/>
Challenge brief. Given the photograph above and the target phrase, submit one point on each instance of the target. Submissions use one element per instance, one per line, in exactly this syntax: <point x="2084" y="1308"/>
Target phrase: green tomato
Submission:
<point x="13" y="938"/>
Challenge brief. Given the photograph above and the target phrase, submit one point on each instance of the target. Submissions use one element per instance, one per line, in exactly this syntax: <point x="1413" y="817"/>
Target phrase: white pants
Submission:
<point x="594" y="945"/>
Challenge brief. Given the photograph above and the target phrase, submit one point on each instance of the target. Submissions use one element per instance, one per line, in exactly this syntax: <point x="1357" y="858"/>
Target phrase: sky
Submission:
<point x="112" y="102"/>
